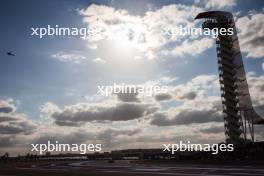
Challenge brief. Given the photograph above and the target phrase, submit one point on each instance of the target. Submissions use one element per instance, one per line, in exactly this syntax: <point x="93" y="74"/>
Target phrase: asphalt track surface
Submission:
<point x="98" y="168"/>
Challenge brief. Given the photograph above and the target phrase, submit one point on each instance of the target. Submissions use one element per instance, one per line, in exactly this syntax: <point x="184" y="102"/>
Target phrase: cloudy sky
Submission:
<point x="49" y="89"/>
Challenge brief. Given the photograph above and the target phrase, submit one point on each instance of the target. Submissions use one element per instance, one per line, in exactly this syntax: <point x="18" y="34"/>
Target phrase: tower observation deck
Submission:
<point x="239" y="115"/>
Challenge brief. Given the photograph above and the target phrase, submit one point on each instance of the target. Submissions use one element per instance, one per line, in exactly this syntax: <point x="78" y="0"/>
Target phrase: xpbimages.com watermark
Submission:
<point x="101" y="33"/>
<point x="56" y="30"/>
<point x="188" y="146"/>
<point x="193" y="31"/>
<point x="60" y="147"/>
<point x="145" y="90"/>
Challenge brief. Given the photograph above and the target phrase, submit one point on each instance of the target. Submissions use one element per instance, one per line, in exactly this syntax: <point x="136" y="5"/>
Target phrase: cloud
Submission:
<point x="128" y="97"/>
<point x="204" y="81"/>
<point x="256" y="88"/>
<point x="200" y="107"/>
<point x="197" y="106"/>
<point x="189" y="95"/>
<point x="189" y="114"/>
<point x="7" y="118"/>
<point x="144" y="33"/>
<point x="81" y="135"/>
<point x="163" y="97"/>
<point x="216" y="4"/>
<point x="17" y="127"/>
<point x="6" y="107"/>
<point x="49" y="108"/>
<point x="114" y="137"/>
<point x="79" y="114"/>
<point x="201" y="114"/>
<point x="110" y="138"/>
<point x="92" y="45"/>
<point x="12" y="122"/>
<point x="115" y="132"/>
<point x="74" y="57"/>
<point x="251" y="34"/>
<point x="214" y="129"/>
<point x="181" y="92"/>
<point x="191" y="47"/>
<point x="177" y="94"/>
<point x="190" y="90"/>
<point x="98" y="60"/>
<point x="263" y="66"/>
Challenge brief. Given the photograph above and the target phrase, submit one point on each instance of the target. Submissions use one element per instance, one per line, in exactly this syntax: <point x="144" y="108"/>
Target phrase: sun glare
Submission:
<point x="129" y="37"/>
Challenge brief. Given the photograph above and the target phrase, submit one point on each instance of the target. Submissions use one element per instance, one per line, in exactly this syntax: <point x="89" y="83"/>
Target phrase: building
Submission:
<point x="239" y="115"/>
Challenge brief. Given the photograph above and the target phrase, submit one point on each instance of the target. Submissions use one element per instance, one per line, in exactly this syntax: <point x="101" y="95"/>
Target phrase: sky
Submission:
<point x="49" y="89"/>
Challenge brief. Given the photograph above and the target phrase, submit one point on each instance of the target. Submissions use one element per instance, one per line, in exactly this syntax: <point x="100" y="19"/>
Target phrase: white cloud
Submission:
<point x="251" y="34"/>
<point x="99" y="60"/>
<point x="193" y="48"/>
<point x="256" y="88"/>
<point x="144" y="33"/>
<point x="216" y="4"/>
<point x="205" y="81"/>
<point x="203" y="107"/>
<point x="196" y="88"/>
<point x="197" y="106"/>
<point x="207" y="109"/>
<point x="263" y="66"/>
<point x="74" y="57"/>
<point x="92" y="46"/>
<point x="49" y="108"/>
